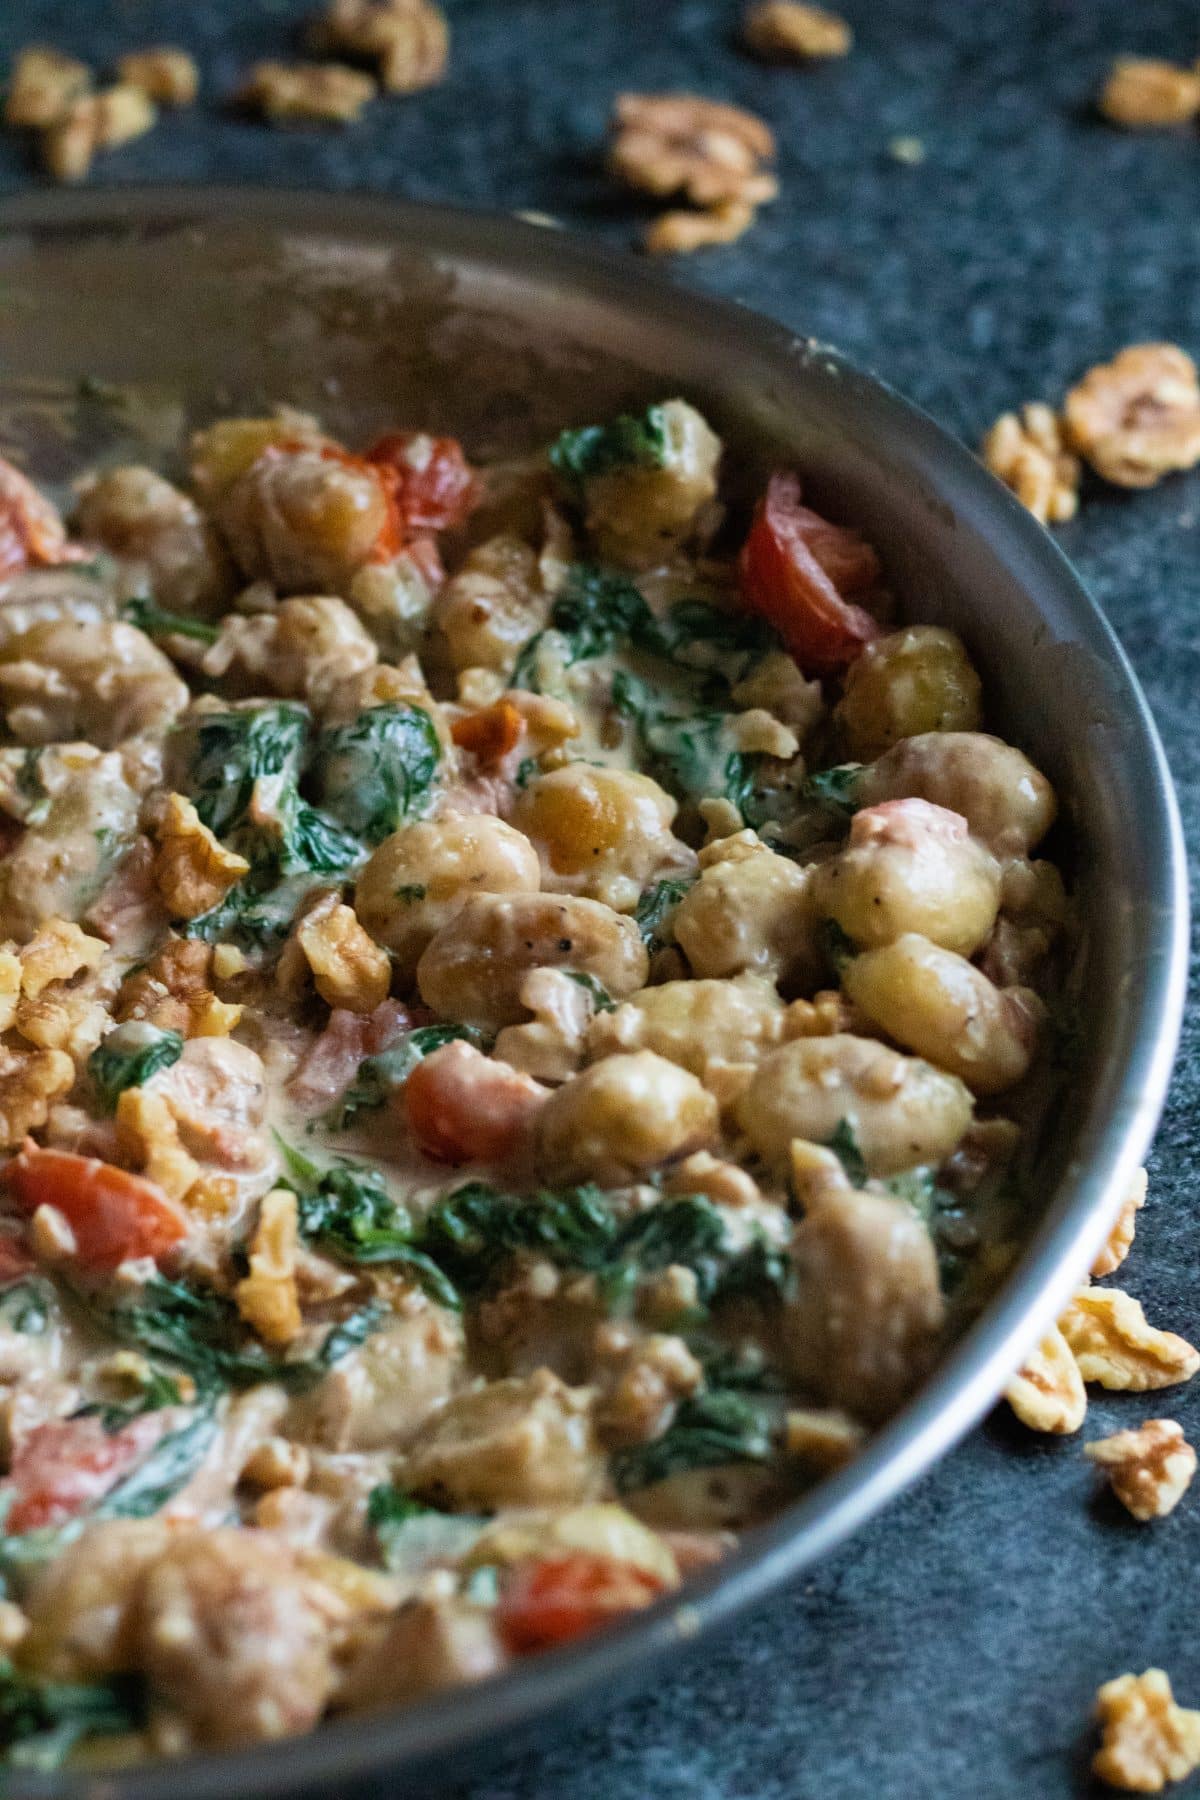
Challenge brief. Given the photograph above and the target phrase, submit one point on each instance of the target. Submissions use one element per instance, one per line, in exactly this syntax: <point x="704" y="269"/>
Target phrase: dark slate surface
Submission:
<point x="954" y="1646"/>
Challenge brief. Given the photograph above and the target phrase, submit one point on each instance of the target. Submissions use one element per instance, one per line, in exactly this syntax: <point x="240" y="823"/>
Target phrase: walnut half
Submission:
<point x="1027" y="452"/>
<point x="1137" y="418"/>
<point x="788" y="30"/>
<point x="1114" y="1343"/>
<point x="1047" y="1392"/>
<point x="1147" y="1740"/>
<point x="1148" y="1469"/>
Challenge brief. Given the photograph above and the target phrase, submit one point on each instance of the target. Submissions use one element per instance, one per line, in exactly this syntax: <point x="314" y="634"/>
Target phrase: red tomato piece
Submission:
<point x="462" y="1106"/>
<point x="556" y="1599"/>
<point x="801" y="573"/>
<point x="433" y="483"/>
<point x="30" y="528"/>
<point x="114" y="1215"/>
<point x="61" y="1468"/>
<point x="489" y="734"/>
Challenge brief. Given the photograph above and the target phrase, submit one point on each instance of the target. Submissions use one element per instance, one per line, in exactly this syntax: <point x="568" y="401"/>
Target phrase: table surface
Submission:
<point x="955" y="1644"/>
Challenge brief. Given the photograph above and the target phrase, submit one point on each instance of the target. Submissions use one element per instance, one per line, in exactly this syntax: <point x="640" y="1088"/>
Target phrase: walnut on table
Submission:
<point x="1136" y="418"/>
<point x="706" y="150"/>
<point x="407" y="41"/>
<point x="1047" y="1392"/>
<point x="1149" y="1468"/>
<point x="43" y="84"/>
<point x="96" y="122"/>
<point x="1028" y="453"/>
<point x="1143" y="93"/>
<point x="679" y="233"/>
<point x="308" y="92"/>
<point x="788" y="30"/>
<point x="1114" y="1344"/>
<point x="168" y="75"/>
<point x="1120" y="1238"/>
<point x="1146" y="1739"/>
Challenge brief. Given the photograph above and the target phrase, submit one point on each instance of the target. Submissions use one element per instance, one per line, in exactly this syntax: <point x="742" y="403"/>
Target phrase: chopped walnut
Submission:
<point x="826" y="1438"/>
<point x="277" y="1463"/>
<point x="1046" y="1393"/>
<point x="757" y="733"/>
<point x="776" y="683"/>
<point x="1120" y="1238"/>
<point x="148" y="1135"/>
<point x="645" y="1377"/>
<point x="287" y="93"/>
<point x="96" y="122"/>
<point x="267" y="1297"/>
<point x="10" y="986"/>
<point x="1030" y="457"/>
<point x="1149" y="1469"/>
<point x="64" y="1018"/>
<point x="1147" y="1740"/>
<point x="1137" y="418"/>
<point x="680" y="143"/>
<point x="1114" y="1345"/>
<point x="58" y="951"/>
<point x="211" y="1196"/>
<point x="43" y="85"/>
<point x="349" y="969"/>
<point x="193" y="870"/>
<point x="787" y="29"/>
<point x="407" y="40"/>
<point x="172" y="991"/>
<point x="168" y="75"/>
<point x="1142" y="93"/>
<point x="679" y="233"/>
<point x="30" y="1081"/>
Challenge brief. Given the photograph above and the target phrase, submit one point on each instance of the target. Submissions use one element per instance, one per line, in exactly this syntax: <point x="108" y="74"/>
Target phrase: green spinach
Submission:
<point x="690" y="754"/>
<point x="347" y="1210"/>
<point x="836" y="790"/>
<point x="845" y="1146"/>
<point x="128" y="1057"/>
<point x="602" y="1000"/>
<point x="377" y="771"/>
<point x="156" y="622"/>
<point x="713" y="1427"/>
<point x="41" y="1722"/>
<point x="201" y="1331"/>
<point x="628" y="441"/>
<point x="654" y="909"/>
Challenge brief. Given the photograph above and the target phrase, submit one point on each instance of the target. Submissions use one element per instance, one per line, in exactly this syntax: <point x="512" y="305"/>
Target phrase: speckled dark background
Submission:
<point x="954" y="1646"/>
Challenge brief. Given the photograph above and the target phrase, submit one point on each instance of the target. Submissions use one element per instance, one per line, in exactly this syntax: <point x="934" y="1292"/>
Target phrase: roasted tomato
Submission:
<point x="432" y="483"/>
<point x="489" y="734"/>
<point x="462" y="1106"/>
<point x="556" y="1599"/>
<point x="114" y="1215"/>
<point x="61" y="1468"/>
<point x="30" y="528"/>
<point x="801" y="573"/>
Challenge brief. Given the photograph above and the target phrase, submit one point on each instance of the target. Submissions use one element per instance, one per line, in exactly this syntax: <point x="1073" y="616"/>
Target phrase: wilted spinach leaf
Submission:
<point x="628" y="441"/>
<point x="654" y="909"/>
<point x="41" y="1722"/>
<point x="128" y="1057"/>
<point x="712" y="1427"/>
<point x="155" y="622"/>
<point x="377" y="771"/>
